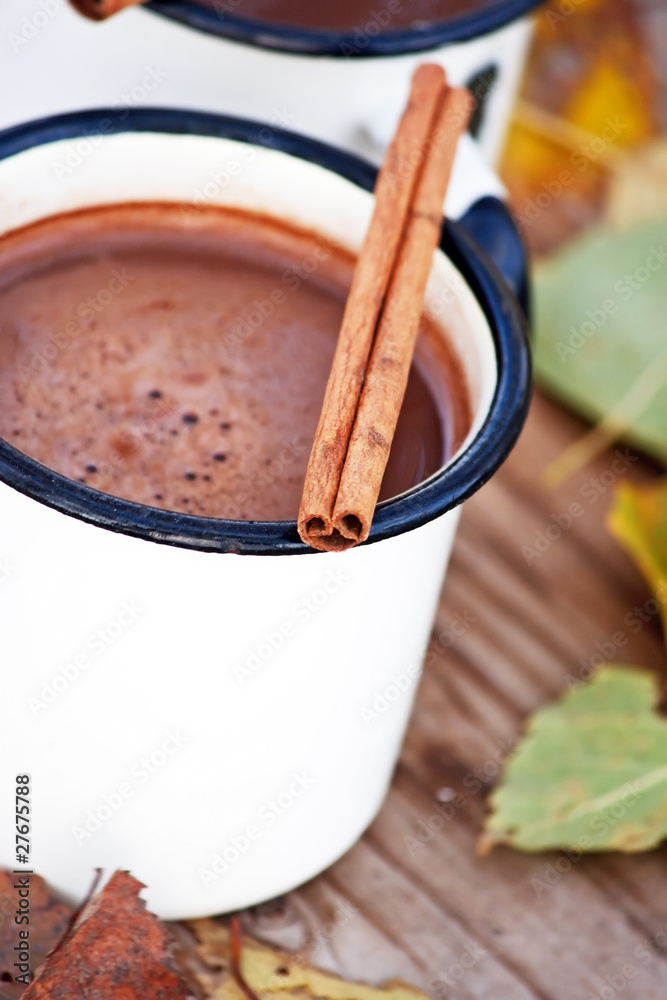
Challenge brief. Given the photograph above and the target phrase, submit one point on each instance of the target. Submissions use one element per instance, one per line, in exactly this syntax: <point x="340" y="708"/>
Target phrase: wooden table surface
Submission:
<point x="412" y="899"/>
<point x="509" y="926"/>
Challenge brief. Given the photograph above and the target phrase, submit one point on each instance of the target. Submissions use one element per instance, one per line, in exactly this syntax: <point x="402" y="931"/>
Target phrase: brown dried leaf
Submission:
<point x="116" y="949"/>
<point x="49" y="920"/>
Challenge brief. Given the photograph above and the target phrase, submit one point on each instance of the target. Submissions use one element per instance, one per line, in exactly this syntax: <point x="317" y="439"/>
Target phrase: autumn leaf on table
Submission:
<point x="277" y="974"/>
<point x="599" y="309"/>
<point x="49" y="920"/>
<point x="638" y="520"/>
<point x="590" y="774"/>
<point x="116" y="949"/>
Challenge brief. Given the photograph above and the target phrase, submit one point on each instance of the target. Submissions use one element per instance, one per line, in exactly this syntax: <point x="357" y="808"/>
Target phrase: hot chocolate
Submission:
<point x="177" y="357"/>
<point x="348" y="15"/>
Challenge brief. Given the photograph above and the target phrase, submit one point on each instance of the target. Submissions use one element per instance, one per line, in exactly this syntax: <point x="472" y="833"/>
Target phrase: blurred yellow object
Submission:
<point x="610" y="93"/>
<point x="560" y="11"/>
<point x="587" y="99"/>
<point x="638" y="188"/>
<point x="638" y="520"/>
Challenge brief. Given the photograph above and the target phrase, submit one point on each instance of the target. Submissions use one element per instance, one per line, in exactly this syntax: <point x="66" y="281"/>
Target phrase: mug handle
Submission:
<point x="489" y="222"/>
<point x="475" y="200"/>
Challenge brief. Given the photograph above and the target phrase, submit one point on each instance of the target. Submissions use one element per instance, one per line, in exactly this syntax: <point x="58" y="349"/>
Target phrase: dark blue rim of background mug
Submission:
<point x="424" y="502"/>
<point x="345" y="44"/>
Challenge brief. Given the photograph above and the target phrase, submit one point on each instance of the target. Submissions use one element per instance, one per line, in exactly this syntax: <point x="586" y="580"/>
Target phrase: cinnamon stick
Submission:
<point x="98" y="10"/>
<point x="391" y="357"/>
<point x="368" y="444"/>
<point x="393" y="191"/>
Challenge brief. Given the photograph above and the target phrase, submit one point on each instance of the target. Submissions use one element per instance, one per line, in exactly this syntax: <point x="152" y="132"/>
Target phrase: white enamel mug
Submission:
<point x="193" y="698"/>
<point x="347" y="88"/>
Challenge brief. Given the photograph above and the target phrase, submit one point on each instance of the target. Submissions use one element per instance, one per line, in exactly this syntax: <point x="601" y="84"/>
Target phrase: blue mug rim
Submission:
<point x="426" y="501"/>
<point x="341" y="44"/>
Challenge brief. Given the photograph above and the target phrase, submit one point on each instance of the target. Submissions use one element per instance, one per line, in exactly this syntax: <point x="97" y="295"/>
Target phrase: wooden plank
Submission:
<point x="549" y="926"/>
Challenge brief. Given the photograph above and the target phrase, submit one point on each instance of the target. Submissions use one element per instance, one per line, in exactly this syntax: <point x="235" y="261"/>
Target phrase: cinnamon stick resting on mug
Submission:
<point x="376" y="342"/>
<point x="98" y="10"/>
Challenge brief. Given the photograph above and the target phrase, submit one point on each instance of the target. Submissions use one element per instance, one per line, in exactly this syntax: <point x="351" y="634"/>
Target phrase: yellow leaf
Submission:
<point x="531" y="156"/>
<point x="638" y="520"/>
<point x="609" y="93"/>
<point x="277" y="975"/>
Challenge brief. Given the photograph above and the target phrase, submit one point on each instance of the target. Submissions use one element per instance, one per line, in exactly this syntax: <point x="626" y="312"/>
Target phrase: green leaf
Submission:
<point x="638" y="520"/>
<point x="600" y="310"/>
<point x="590" y="773"/>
